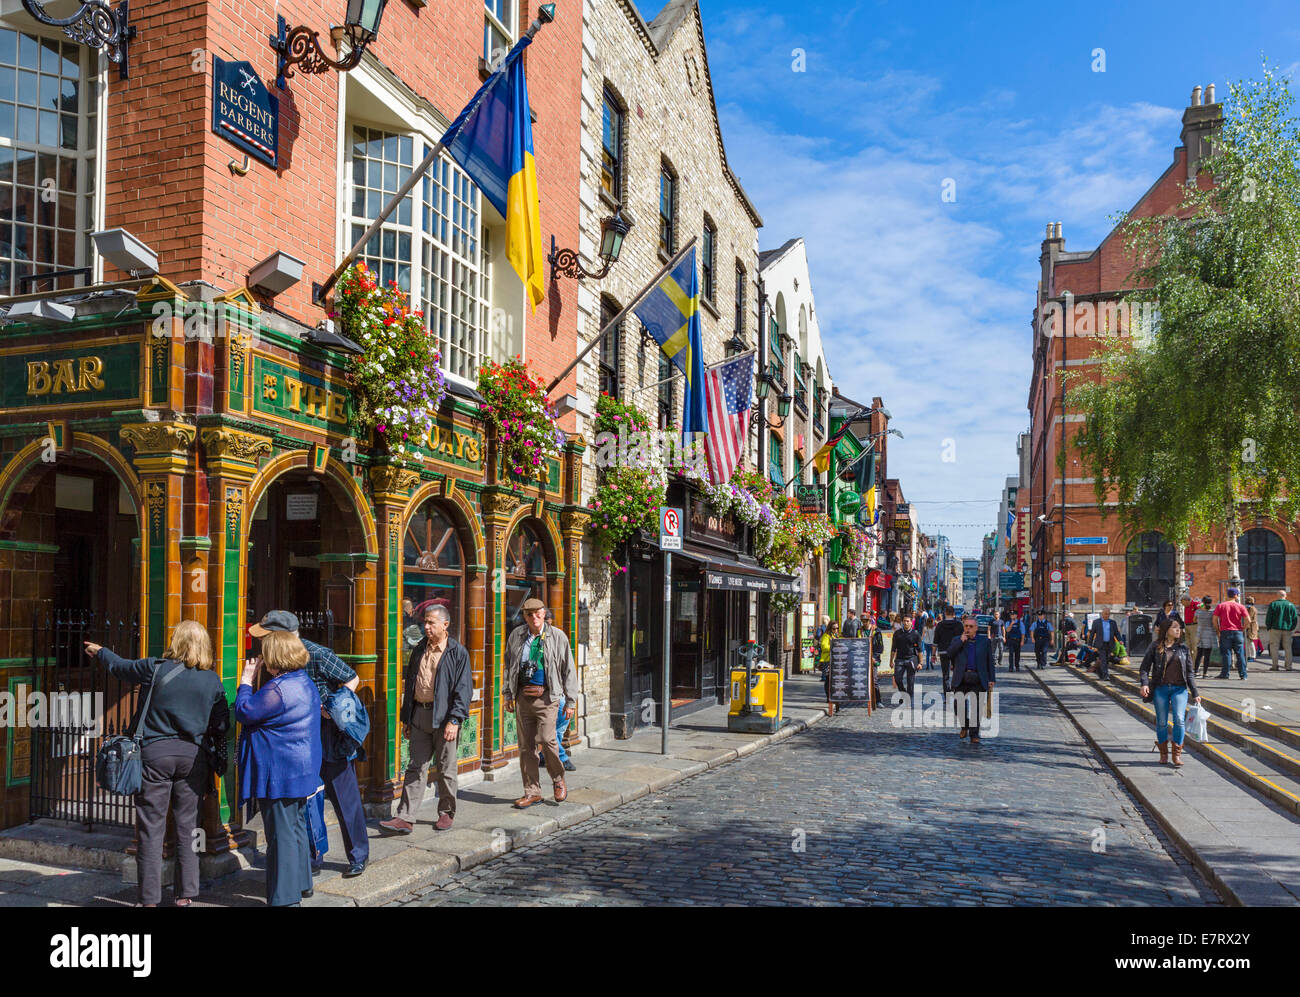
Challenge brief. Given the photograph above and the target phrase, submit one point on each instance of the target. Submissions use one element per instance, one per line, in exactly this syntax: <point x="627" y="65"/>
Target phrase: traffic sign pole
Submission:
<point x="670" y="539"/>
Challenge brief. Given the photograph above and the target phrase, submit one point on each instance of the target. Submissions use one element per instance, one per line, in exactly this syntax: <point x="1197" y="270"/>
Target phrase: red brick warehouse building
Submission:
<point x="212" y="478"/>
<point x="1080" y="298"/>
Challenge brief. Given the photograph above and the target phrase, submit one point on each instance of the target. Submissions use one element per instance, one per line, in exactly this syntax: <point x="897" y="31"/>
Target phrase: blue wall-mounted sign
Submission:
<point x="244" y="111"/>
<point x="1086" y="541"/>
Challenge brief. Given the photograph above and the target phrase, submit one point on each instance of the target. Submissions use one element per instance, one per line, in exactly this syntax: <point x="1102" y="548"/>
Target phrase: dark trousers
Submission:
<point x="970" y="719"/>
<point x="946" y="665"/>
<point x="288" y="852"/>
<point x="1103" y="662"/>
<point x="1202" y="660"/>
<point x="174" y="772"/>
<point x="342" y="791"/>
<point x="1040" y="655"/>
<point x="1013" y="657"/>
<point x="905" y="675"/>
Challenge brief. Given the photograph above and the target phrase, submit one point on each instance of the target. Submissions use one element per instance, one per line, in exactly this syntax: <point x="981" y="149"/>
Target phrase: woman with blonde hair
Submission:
<point x="280" y="760"/>
<point x="187" y="719"/>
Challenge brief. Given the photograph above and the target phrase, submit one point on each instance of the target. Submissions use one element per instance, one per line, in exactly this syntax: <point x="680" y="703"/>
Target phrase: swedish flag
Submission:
<point x="492" y="139"/>
<point x="671" y="314"/>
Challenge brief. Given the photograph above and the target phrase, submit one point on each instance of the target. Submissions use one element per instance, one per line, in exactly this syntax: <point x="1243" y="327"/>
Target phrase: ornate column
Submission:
<point x="500" y="742"/>
<point x="391" y="486"/>
<point x="162" y="455"/>
<point x="232" y="462"/>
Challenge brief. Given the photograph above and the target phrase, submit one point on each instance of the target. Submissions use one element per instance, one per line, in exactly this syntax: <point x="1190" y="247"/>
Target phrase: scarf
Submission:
<point x="536" y="651"/>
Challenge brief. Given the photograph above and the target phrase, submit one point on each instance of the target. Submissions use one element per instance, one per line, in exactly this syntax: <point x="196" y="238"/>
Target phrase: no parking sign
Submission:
<point x="670" y="528"/>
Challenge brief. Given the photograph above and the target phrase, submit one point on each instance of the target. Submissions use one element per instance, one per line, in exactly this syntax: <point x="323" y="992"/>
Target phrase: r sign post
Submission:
<point x="670" y="539"/>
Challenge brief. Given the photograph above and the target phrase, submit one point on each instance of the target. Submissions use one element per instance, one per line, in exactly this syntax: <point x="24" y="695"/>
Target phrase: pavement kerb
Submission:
<point x="1225" y="892"/>
<point x="605" y="796"/>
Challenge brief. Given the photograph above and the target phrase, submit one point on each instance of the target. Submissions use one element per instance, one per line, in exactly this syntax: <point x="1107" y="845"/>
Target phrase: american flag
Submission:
<point x="728" y="393"/>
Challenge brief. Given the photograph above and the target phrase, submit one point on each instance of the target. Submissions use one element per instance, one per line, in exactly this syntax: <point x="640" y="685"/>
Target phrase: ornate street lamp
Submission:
<point x="300" y="46"/>
<point x="783" y="406"/>
<point x="95" y="24"/>
<point x="762" y="386"/>
<point x="612" y="232"/>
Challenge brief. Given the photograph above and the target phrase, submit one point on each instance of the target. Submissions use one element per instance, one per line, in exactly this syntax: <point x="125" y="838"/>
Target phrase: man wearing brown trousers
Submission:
<point x="538" y="672"/>
<point x="436" y="695"/>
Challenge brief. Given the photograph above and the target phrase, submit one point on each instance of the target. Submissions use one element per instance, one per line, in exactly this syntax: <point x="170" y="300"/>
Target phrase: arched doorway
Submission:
<point x="525" y="571"/>
<point x="1149" y="570"/>
<point x="433" y="572"/>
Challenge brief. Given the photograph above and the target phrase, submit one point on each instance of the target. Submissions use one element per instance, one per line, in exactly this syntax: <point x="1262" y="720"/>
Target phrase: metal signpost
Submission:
<point x="670" y="539"/>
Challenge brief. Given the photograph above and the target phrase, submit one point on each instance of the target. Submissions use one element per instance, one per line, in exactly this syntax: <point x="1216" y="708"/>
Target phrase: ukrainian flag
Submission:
<point x="492" y="140"/>
<point x="671" y="314"/>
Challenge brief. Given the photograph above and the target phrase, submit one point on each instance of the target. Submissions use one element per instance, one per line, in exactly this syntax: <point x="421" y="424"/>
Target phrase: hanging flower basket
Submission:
<point x="514" y="405"/>
<point x="629" y="494"/>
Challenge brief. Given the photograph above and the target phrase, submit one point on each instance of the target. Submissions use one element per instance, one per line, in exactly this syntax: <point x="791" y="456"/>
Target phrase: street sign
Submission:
<point x="1056" y="575"/>
<point x="670" y="528"/>
<point x="866" y="516"/>
<point x="1087" y="541"/>
<point x="811" y="498"/>
<point x="1056" y="587"/>
<point x="848" y="503"/>
<point x="1187" y="578"/>
<point x="1010" y="580"/>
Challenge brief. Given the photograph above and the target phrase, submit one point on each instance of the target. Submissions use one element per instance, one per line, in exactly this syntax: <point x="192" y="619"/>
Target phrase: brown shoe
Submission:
<point x="444" y="822"/>
<point x="397" y="826"/>
<point x="526" y="801"/>
<point x="561" y="791"/>
<point x="1163" y="746"/>
<point x="1178" y="756"/>
<point x="962" y="732"/>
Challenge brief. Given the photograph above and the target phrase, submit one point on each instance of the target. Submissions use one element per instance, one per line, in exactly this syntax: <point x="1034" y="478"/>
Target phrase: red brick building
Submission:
<point x="1078" y="300"/>
<point x="189" y="476"/>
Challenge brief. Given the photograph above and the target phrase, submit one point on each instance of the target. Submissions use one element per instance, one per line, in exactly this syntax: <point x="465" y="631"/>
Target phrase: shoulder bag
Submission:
<point x="118" y="764"/>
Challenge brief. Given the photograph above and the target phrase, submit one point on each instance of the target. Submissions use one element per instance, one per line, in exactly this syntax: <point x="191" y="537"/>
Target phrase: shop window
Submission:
<point x="433" y="573"/>
<point x="498" y="29"/>
<point x="48" y="167"/>
<point x="611" y="144"/>
<point x="525" y="573"/>
<point x="1262" y="558"/>
<point x="440" y="225"/>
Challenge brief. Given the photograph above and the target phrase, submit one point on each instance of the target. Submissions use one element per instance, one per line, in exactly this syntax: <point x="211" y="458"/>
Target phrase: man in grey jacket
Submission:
<point x="539" y="671"/>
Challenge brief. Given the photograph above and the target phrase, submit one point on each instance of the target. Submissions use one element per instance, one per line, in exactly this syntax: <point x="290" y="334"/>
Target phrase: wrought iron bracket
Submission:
<point x="300" y="47"/>
<point x="95" y="24"/>
<point x="565" y="262"/>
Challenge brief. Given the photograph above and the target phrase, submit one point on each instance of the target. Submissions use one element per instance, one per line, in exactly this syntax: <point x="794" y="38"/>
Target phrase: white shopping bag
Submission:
<point x="1196" y="724"/>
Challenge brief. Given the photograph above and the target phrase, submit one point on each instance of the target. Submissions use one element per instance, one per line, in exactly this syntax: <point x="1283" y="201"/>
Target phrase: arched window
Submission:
<point x="1262" y="559"/>
<point x="1149" y="570"/>
<point x="525" y="573"/>
<point x="433" y="573"/>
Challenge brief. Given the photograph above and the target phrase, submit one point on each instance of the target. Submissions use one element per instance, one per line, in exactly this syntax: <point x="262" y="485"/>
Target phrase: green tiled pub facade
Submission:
<point x="148" y="476"/>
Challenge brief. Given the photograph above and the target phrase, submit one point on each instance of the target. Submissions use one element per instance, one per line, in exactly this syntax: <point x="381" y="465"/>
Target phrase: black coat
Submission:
<point x="944" y="632"/>
<point x="453" y="685"/>
<point x="983" y="661"/>
<point x="1146" y="676"/>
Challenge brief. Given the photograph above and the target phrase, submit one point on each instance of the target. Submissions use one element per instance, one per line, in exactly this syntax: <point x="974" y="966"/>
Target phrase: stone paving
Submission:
<point x="858" y="811"/>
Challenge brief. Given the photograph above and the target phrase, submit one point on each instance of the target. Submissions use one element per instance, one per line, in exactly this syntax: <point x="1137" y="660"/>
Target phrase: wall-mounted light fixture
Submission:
<point x="300" y="46"/>
<point x="612" y="232"/>
<point x="95" y="24"/>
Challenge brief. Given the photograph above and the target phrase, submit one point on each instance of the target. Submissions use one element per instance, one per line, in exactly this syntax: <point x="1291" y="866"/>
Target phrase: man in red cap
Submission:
<point x="538" y="672"/>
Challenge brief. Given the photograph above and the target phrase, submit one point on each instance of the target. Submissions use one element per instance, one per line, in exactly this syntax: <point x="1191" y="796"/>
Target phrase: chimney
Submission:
<point x="1200" y="122"/>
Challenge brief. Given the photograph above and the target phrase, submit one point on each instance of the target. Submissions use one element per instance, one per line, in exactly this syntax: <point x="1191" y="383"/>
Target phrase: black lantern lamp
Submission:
<point x="95" y="24"/>
<point x="612" y="232"/>
<point x="783" y="405"/>
<point x="300" y="46"/>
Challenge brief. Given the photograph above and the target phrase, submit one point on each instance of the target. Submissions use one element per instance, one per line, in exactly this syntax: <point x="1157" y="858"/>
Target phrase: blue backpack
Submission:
<point x="118" y="764"/>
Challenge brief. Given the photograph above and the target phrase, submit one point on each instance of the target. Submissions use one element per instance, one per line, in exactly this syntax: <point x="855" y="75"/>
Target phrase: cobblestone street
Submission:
<point x="884" y="816"/>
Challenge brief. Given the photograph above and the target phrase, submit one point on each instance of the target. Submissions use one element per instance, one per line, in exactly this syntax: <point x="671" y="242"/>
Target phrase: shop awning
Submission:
<point x="723" y="575"/>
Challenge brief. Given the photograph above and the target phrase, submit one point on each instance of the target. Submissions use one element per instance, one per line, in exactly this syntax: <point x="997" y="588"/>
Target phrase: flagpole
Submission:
<point x="318" y="291"/>
<point x="612" y="323"/>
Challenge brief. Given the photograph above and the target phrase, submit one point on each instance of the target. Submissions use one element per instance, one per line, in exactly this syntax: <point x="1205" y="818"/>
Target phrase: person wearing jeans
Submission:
<point x="1168" y="679"/>
<point x="1231" y="619"/>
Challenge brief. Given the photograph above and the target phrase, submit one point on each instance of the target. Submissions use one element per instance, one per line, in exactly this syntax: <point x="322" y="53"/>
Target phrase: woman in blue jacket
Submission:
<point x="280" y="760"/>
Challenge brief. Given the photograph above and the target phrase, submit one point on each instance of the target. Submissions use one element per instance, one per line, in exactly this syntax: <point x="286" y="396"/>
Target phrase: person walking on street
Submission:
<point x="1167" y="677"/>
<point x="1015" y="638"/>
<point x="187" y="717"/>
<point x="831" y="632"/>
<point x="329" y="673"/>
<point x="280" y="760"/>
<point x="436" y="691"/>
<point x="1102" y="638"/>
<point x="1279" y="621"/>
<point x="906" y="652"/>
<point x="927" y="640"/>
<point x="1204" y="636"/>
<point x="1042" y="634"/>
<point x="972" y="672"/>
<point x="538" y="671"/>
<point x="850" y="628"/>
<point x="945" y="632"/>
<point x="1252" y="630"/>
<point x="996" y="628"/>
<point x="1166" y="611"/>
<point x="1230" y="622"/>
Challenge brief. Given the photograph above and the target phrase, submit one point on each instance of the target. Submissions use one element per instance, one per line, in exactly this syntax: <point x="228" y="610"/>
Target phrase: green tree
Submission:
<point x="1200" y="410"/>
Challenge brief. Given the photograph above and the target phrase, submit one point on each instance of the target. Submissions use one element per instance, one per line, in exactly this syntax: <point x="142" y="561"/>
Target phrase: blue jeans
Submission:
<point x="1232" y="642"/>
<point x="1167" y="699"/>
<point x="561" y="725"/>
<point x="929" y="655"/>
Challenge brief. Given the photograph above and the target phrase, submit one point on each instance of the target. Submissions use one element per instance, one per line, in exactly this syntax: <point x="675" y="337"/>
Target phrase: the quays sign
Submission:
<point x="243" y="110"/>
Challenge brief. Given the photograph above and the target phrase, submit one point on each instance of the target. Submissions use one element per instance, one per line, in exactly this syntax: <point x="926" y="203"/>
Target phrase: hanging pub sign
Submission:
<point x="244" y="111"/>
<point x="811" y="498"/>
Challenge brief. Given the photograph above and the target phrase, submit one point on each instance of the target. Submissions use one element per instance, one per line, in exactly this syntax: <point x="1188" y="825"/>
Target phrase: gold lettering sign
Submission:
<point x="65" y="377"/>
<point x="310" y="399"/>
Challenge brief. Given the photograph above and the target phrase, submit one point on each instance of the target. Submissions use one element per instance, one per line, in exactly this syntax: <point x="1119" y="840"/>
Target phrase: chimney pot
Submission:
<point x="1056" y="231"/>
<point x="1196" y="96"/>
<point x="1049" y="230"/>
<point x="1209" y="94"/>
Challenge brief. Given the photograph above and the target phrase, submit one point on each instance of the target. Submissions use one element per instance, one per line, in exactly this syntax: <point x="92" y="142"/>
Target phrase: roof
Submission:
<point x="769" y="256"/>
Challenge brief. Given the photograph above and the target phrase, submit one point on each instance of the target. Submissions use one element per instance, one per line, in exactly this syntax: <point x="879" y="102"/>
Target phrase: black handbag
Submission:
<point x="119" y="767"/>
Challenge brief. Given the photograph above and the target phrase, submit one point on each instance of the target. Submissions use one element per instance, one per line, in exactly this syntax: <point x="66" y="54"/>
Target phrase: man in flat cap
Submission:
<point x="539" y="672"/>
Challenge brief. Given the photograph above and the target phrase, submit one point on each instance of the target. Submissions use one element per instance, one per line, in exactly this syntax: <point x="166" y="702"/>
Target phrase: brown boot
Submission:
<point x="1178" y="756"/>
<point x="1164" y="751"/>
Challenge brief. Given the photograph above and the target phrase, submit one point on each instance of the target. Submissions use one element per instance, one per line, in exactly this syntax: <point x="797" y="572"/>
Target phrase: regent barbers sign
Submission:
<point x="244" y="111"/>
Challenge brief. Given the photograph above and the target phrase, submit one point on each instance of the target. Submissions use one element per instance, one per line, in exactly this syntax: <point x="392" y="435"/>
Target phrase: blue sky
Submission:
<point x="928" y="303"/>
